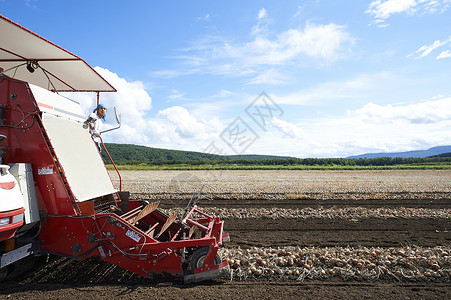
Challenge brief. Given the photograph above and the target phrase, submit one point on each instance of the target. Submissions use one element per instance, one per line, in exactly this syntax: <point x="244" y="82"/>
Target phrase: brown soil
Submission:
<point x="232" y="290"/>
<point x="65" y="279"/>
<point x="329" y="233"/>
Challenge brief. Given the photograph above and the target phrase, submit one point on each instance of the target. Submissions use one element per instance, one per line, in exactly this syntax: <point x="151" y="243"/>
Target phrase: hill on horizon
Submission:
<point x="447" y="154"/>
<point x="136" y="154"/>
<point x="257" y="156"/>
<point x="129" y="153"/>
<point x="434" y="151"/>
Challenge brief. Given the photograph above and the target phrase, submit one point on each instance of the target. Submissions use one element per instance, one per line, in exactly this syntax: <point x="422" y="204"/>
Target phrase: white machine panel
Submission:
<point x="56" y="104"/>
<point x="24" y="176"/>
<point x="79" y="158"/>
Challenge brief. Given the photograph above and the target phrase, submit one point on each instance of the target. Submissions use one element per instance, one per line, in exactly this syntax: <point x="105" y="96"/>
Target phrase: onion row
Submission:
<point x="323" y="213"/>
<point x="348" y="263"/>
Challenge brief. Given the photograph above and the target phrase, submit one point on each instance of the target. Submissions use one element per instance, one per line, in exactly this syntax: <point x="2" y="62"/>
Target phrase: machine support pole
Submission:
<point x="114" y="165"/>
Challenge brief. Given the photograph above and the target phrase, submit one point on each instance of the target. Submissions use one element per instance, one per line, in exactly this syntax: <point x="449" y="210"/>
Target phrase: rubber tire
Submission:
<point x="199" y="256"/>
<point x="3" y="273"/>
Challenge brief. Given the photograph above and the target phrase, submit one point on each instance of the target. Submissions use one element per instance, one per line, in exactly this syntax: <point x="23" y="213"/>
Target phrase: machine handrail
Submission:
<point x="114" y="165"/>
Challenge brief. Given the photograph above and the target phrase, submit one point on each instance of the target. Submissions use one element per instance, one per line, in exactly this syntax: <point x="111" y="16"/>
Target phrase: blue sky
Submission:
<point x="300" y="78"/>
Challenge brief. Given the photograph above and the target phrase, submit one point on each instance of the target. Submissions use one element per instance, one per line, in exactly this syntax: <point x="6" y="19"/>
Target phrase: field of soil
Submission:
<point x="294" y="234"/>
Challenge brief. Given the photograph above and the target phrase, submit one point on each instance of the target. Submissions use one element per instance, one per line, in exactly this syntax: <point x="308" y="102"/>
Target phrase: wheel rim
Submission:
<point x="200" y="261"/>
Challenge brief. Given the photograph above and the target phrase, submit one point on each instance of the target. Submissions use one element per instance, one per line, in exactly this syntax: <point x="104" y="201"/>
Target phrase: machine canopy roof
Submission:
<point x="29" y="57"/>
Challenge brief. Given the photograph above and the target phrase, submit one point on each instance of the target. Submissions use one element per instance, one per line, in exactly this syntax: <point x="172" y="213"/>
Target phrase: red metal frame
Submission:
<point x="117" y="241"/>
<point x="75" y="230"/>
<point x="28" y="142"/>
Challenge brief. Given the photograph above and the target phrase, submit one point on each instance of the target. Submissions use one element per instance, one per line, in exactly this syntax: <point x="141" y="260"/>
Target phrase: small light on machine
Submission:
<point x="4" y="221"/>
<point x="17" y="218"/>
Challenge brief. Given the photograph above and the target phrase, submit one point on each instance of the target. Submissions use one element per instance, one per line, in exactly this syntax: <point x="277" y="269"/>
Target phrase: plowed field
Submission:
<point x="311" y="234"/>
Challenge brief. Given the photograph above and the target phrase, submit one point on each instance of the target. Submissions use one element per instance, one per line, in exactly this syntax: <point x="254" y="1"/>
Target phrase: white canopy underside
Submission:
<point x="58" y="69"/>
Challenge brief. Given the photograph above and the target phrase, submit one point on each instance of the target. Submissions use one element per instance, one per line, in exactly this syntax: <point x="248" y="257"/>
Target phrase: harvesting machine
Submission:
<point x="56" y="196"/>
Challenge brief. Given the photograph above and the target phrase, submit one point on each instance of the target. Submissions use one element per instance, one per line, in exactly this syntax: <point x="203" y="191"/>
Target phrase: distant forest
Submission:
<point x="125" y="154"/>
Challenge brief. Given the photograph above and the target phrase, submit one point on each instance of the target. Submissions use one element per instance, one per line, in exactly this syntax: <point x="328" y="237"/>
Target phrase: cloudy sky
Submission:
<point x="313" y="78"/>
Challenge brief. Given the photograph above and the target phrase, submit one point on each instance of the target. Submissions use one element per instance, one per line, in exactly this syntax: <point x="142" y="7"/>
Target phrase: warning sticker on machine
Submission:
<point x="45" y="171"/>
<point x="133" y="235"/>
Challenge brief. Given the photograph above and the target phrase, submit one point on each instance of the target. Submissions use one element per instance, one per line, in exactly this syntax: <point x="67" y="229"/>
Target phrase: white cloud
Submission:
<point x="214" y="107"/>
<point x="427" y="49"/>
<point x="86" y="100"/>
<point x="444" y="54"/>
<point x="377" y="128"/>
<point x="222" y="94"/>
<point x="220" y="56"/>
<point x="270" y="76"/>
<point x="324" y="42"/>
<point x="185" y="125"/>
<point x="175" y="94"/>
<point x="287" y="129"/>
<point x="384" y="9"/>
<point x="206" y="18"/>
<point x="315" y="41"/>
<point x="371" y="128"/>
<point x="330" y="92"/>
<point x="181" y="130"/>
<point x="262" y="13"/>
<point x="133" y="102"/>
<point x="173" y="127"/>
<point x="419" y="113"/>
<point x="131" y="98"/>
<point x="261" y="28"/>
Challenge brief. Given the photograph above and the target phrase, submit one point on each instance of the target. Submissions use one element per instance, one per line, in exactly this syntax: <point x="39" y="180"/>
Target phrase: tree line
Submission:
<point x="134" y="155"/>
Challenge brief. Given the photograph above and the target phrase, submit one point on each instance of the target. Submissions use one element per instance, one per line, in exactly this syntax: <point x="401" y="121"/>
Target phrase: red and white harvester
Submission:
<point x="56" y="196"/>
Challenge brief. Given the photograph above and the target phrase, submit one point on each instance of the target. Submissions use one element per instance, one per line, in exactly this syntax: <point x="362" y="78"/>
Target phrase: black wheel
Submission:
<point x="198" y="258"/>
